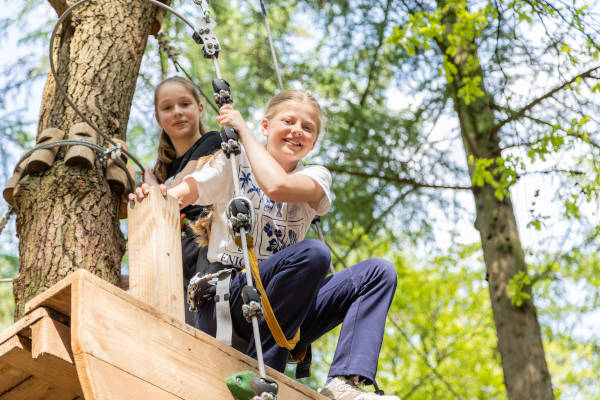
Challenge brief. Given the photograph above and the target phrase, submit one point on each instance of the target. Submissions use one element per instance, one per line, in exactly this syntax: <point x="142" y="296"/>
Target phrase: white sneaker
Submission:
<point x="341" y="388"/>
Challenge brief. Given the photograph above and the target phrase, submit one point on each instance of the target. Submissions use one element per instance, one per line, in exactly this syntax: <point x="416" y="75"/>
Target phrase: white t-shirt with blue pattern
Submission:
<point x="277" y="224"/>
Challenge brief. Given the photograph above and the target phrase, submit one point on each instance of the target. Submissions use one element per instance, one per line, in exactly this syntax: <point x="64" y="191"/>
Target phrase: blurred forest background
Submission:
<point x="404" y="174"/>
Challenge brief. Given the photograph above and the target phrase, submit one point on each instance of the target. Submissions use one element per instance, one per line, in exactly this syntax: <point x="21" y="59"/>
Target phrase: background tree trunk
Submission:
<point x="67" y="217"/>
<point x="520" y="345"/>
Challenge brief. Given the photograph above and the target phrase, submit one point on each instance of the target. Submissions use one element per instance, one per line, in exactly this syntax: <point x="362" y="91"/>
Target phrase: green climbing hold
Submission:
<point x="239" y="385"/>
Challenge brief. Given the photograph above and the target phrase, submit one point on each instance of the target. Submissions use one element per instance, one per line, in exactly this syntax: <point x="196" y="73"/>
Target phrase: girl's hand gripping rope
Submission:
<point x="229" y="116"/>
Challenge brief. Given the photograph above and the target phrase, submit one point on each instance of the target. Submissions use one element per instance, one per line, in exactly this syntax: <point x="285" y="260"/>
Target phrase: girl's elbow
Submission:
<point x="276" y="192"/>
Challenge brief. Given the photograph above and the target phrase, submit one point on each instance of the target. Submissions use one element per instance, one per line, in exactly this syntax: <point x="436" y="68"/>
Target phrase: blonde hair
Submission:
<point x="202" y="226"/>
<point x="166" y="151"/>
<point x="294" y="95"/>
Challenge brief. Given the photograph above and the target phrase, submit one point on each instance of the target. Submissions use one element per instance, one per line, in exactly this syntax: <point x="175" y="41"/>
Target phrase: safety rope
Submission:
<point x="269" y="315"/>
<point x="273" y="54"/>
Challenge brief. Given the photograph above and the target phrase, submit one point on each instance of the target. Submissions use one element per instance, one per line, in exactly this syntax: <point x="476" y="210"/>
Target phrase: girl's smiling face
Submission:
<point x="178" y="113"/>
<point x="292" y="132"/>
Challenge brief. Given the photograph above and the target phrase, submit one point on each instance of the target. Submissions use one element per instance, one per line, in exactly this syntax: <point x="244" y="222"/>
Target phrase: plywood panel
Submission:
<point x="150" y="346"/>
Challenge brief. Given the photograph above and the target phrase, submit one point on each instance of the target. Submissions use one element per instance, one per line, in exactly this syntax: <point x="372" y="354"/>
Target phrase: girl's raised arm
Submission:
<point x="272" y="174"/>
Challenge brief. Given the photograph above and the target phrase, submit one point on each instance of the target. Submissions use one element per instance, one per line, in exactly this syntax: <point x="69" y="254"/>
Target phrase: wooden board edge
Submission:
<point x="49" y="336"/>
<point x="23" y="323"/>
<point x="81" y="362"/>
<point x="60" y="290"/>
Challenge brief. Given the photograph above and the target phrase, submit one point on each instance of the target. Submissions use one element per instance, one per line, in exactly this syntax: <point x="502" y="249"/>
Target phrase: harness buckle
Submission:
<point x="203" y="288"/>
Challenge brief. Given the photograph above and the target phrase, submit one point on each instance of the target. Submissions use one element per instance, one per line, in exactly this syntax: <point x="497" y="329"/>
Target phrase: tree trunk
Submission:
<point x="67" y="217"/>
<point x="520" y="345"/>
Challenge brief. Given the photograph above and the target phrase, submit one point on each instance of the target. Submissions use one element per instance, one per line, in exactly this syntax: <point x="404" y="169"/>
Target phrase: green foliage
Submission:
<point x="518" y="288"/>
<point x="8" y="269"/>
<point x="501" y="177"/>
<point x="7" y="305"/>
<point x="569" y="285"/>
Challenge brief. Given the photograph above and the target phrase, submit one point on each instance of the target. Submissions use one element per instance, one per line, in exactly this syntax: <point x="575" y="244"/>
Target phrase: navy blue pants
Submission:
<point x="301" y="296"/>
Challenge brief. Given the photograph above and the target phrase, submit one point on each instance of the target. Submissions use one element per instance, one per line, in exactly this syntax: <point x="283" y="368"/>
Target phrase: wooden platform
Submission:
<point x="85" y="338"/>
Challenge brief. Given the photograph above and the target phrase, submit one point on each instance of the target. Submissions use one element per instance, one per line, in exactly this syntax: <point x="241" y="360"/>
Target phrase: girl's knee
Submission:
<point x="385" y="271"/>
<point x="319" y="255"/>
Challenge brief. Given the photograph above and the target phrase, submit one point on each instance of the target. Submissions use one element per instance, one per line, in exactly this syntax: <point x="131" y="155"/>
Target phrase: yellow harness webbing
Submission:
<point x="272" y="323"/>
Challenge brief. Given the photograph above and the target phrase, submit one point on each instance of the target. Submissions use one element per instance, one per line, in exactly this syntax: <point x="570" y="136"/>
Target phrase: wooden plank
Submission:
<point x="23" y="324"/>
<point x="111" y="383"/>
<point x="10" y="377"/>
<point x="36" y="388"/>
<point x="57" y="297"/>
<point x="154" y="244"/>
<point x="50" y="337"/>
<point x="187" y="363"/>
<point x="16" y="352"/>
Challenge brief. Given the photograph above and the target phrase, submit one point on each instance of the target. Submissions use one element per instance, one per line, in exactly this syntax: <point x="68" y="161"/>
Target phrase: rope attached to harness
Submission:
<point x="269" y="315"/>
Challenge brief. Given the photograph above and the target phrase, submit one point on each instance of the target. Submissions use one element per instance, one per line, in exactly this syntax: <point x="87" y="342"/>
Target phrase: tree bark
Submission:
<point x="520" y="345"/>
<point x="67" y="217"/>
